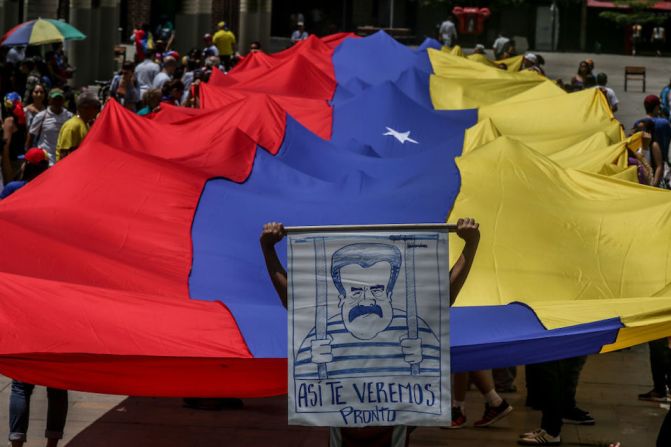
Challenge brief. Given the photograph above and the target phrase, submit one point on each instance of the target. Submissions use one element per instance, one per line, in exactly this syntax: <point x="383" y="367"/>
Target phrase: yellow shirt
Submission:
<point x="71" y="135"/>
<point x="224" y="40"/>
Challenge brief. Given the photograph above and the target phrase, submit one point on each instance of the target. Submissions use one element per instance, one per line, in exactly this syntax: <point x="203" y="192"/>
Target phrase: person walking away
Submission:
<point x="45" y="127"/>
<point x="124" y="87"/>
<point x="299" y="33"/>
<point x="448" y="32"/>
<point x="75" y="129"/>
<point x="224" y="40"/>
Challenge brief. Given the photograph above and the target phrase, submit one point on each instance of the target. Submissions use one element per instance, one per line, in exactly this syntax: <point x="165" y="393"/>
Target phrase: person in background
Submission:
<point x="479" y="49"/>
<point x="145" y="72"/>
<point x="188" y="77"/>
<point x="165" y="31"/>
<point x="151" y="100"/>
<point x="224" y="39"/>
<point x="554" y="389"/>
<point x="16" y="119"/>
<point x="636" y="37"/>
<point x="651" y="151"/>
<point x="590" y="81"/>
<point x="169" y="67"/>
<point x="299" y="33"/>
<point x="59" y="68"/>
<point x="15" y="55"/>
<point x="75" y="129"/>
<point x="143" y="41"/>
<point x="255" y="46"/>
<point x="662" y="131"/>
<point x="665" y="101"/>
<point x="33" y="76"/>
<point x="499" y="46"/>
<point x="658" y="39"/>
<point x="601" y="81"/>
<point x="210" y="48"/>
<point x="496" y="408"/>
<point x="172" y="92"/>
<point x="578" y="81"/>
<point x="34" y="163"/>
<point x="533" y="62"/>
<point x="448" y="32"/>
<point x="124" y="87"/>
<point x="36" y="103"/>
<point x="47" y="124"/>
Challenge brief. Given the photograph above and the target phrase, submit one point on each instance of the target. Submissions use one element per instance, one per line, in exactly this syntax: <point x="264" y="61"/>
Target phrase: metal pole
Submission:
<point x="379" y="227"/>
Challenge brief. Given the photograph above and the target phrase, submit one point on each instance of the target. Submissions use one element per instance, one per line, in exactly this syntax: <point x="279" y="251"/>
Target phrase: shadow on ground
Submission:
<point x="146" y="422"/>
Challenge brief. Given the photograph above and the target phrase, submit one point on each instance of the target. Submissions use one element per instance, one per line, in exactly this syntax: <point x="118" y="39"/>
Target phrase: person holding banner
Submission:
<point x="393" y="436"/>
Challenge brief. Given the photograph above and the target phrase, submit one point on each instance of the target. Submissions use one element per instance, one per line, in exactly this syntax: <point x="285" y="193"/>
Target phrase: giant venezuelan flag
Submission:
<point x="133" y="266"/>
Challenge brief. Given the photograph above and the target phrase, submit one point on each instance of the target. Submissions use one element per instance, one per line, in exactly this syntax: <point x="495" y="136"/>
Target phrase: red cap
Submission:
<point x="651" y="101"/>
<point x="35" y="155"/>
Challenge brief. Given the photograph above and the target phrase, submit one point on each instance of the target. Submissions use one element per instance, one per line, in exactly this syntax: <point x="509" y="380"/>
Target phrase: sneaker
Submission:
<point x="458" y="418"/>
<point x="540" y="437"/>
<point x="531" y="434"/>
<point x="493" y="414"/>
<point x="578" y="417"/>
<point x="653" y="396"/>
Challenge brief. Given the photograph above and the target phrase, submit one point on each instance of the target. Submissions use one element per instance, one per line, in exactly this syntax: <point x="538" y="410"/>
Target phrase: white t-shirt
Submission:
<point x="145" y="73"/>
<point x="612" y="98"/>
<point x="45" y="128"/>
<point x="160" y="79"/>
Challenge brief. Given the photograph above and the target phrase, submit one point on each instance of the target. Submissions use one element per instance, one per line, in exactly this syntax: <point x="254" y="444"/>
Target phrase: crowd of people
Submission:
<point x="43" y="121"/>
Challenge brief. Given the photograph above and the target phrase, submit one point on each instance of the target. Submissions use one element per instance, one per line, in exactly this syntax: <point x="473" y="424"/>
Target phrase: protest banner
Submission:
<point x="369" y="326"/>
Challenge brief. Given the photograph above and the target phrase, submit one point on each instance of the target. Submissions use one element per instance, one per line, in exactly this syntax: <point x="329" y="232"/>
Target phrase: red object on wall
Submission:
<point x="471" y="21"/>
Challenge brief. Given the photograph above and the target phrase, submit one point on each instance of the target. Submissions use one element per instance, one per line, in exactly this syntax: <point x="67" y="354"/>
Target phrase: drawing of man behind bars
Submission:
<point x="369" y="336"/>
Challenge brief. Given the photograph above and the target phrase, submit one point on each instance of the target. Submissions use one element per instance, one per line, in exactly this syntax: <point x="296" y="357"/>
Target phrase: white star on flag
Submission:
<point x="400" y="136"/>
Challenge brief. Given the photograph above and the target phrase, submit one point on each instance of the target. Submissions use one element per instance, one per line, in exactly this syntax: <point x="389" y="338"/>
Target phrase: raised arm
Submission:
<point x="274" y="232"/>
<point x="468" y="230"/>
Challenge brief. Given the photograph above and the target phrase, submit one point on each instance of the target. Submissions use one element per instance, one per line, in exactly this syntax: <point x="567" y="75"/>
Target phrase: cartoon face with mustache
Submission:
<point x="364" y="275"/>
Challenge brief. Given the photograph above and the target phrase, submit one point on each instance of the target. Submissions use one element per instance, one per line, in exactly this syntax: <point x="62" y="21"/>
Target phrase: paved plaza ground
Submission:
<point x="608" y="387"/>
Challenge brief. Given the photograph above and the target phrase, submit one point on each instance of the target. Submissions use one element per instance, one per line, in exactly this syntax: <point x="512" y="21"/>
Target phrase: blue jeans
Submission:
<point x="19" y="411"/>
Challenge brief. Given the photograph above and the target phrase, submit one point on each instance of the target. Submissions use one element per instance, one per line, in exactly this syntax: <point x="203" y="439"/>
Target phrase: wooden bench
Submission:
<point x="634" y="74"/>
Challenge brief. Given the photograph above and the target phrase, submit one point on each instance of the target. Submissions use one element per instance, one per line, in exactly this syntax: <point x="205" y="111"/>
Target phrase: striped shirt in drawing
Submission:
<point x="379" y="356"/>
